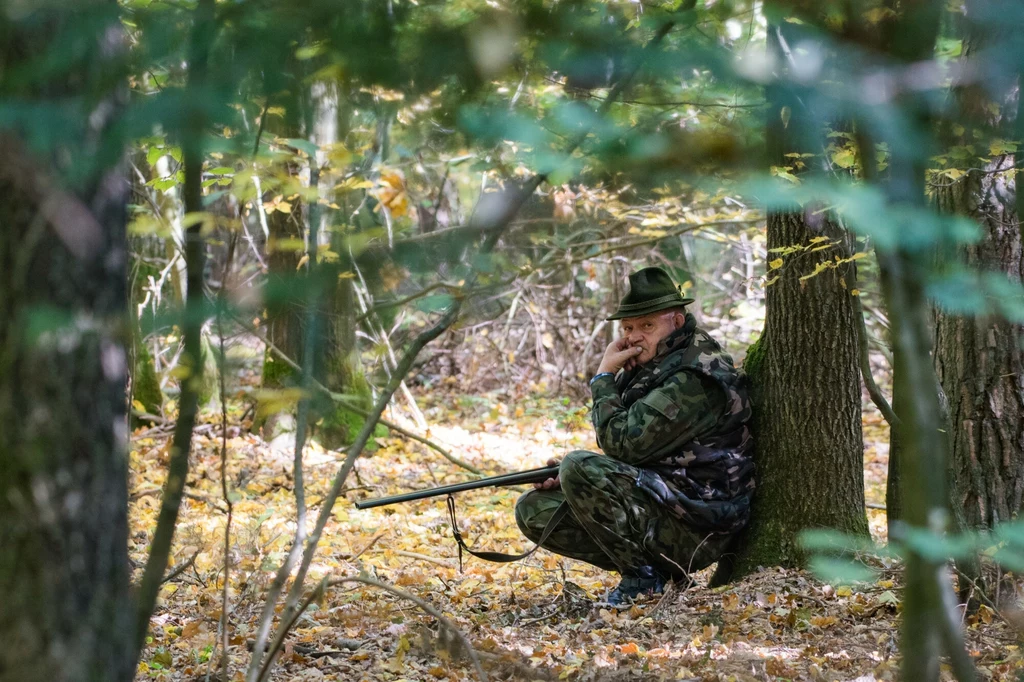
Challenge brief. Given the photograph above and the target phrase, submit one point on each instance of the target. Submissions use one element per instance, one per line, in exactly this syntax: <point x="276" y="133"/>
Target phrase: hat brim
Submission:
<point x="640" y="312"/>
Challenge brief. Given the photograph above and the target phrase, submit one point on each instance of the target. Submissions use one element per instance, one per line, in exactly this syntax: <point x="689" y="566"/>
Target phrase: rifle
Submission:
<point x="518" y="478"/>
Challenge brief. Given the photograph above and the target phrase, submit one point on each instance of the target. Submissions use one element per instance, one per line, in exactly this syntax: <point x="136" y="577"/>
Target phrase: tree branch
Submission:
<point x="877" y="397"/>
<point x="192" y="322"/>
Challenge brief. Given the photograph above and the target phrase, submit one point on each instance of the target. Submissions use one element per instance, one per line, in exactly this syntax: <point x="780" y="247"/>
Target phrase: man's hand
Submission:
<point x="619" y="354"/>
<point x="551" y="483"/>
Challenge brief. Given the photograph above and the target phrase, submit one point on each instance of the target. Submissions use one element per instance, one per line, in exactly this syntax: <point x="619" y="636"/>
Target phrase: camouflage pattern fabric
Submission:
<point x="613" y="523"/>
<point x="676" y="479"/>
<point x="682" y="418"/>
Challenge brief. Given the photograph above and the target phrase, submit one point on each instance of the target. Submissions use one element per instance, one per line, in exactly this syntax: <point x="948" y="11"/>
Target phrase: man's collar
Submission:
<point x="677" y="339"/>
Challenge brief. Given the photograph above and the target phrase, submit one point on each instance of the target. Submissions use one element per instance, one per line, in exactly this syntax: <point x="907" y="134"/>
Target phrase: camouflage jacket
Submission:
<point x="682" y="419"/>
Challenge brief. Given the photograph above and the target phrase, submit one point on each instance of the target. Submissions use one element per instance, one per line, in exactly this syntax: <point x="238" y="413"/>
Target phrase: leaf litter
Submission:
<point x="531" y="620"/>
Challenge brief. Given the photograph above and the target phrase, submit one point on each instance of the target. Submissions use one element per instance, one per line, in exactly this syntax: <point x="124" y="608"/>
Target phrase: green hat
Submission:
<point x="650" y="290"/>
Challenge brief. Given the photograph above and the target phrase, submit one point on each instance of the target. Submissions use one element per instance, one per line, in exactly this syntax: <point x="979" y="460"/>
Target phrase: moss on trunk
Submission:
<point x="145" y="384"/>
<point x="209" y="392"/>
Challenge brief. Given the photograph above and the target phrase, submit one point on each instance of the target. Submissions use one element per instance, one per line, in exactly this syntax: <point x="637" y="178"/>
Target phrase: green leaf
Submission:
<point x="1010" y="558"/>
<point x="867" y="211"/>
<point x="429" y="304"/>
<point x="825" y="540"/>
<point x="936" y="547"/>
<point x="154" y="154"/>
<point x="888" y="597"/>
<point x="304" y="146"/>
<point x="1011" y="533"/>
<point x="999" y="147"/>
<point x="163" y="184"/>
<point x="841" y="571"/>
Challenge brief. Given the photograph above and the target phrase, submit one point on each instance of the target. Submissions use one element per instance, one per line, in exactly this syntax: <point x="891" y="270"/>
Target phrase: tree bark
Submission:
<point x="978" y="359"/>
<point x="65" y="606"/>
<point x="284" y="295"/>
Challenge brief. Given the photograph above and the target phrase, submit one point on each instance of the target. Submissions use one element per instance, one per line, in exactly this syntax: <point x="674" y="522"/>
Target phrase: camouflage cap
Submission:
<point x="650" y="290"/>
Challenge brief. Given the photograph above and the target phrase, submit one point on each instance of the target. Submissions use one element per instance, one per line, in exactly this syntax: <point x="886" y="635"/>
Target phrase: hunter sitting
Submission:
<point x="675" y="481"/>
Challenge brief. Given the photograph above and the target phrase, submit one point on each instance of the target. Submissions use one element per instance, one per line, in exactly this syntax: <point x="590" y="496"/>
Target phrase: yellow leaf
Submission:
<point x="284" y="207"/>
<point x="844" y="591"/>
<point x="771" y="281"/>
<point x="824" y="621"/>
<point x="775" y="264"/>
<point x="876" y="14"/>
<point x="138" y="406"/>
<point x="844" y="158"/>
<point x="302" y="261"/>
<point x="783" y="172"/>
<point x="818" y="269"/>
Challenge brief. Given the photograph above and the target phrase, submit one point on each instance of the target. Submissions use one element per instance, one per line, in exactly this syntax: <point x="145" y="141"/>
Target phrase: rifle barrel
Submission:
<point x="516" y="478"/>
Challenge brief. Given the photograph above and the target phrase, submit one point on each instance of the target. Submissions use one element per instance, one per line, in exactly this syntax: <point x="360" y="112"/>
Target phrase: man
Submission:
<point x="675" y="480"/>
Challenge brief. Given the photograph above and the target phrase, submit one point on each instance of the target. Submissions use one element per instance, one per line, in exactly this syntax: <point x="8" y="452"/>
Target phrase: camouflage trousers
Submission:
<point x="613" y="523"/>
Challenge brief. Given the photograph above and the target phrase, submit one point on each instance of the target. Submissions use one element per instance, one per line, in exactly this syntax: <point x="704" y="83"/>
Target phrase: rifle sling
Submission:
<point x="499" y="557"/>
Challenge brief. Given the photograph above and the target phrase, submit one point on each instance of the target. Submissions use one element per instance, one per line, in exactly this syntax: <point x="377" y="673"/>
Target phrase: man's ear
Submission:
<point x="679" y="319"/>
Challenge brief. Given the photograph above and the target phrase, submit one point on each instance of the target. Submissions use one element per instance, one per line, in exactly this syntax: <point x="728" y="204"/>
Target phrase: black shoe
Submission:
<point x="639" y="581"/>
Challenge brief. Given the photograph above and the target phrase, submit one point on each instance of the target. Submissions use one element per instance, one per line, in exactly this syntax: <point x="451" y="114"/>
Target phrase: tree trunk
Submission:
<point x="284" y="295"/>
<point x="894" y="482"/>
<point x="339" y="368"/>
<point x="805" y="376"/>
<point x="65" y="607"/>
<point x="979" y="359"/>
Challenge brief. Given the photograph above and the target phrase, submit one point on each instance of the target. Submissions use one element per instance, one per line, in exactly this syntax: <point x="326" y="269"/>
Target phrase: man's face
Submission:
<point x="648" y="331"/>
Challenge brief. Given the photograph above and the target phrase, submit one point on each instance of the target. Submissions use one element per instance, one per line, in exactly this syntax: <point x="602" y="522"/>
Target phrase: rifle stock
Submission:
<point x="517" y="478"/>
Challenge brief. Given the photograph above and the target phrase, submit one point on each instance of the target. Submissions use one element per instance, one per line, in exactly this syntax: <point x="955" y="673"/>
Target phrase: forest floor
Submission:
<point x="531" y="620"/>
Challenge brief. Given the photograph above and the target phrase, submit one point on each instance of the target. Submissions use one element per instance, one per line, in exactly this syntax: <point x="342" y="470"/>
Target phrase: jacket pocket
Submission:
<point x="662" y="404"/>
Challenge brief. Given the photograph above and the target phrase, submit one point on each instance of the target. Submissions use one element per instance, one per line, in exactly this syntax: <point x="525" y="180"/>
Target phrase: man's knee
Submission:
<point x="532" y="513"/>
<point x="581" y="469"/>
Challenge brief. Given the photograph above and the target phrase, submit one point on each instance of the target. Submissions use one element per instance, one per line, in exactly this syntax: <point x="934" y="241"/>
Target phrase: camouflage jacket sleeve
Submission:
<point x="660" y="423"/>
